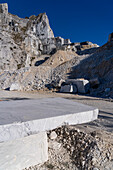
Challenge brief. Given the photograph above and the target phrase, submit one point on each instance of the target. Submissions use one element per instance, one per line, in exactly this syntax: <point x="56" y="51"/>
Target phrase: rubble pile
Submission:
<point x="86" y="150"/>
<point x="73" y="149"/>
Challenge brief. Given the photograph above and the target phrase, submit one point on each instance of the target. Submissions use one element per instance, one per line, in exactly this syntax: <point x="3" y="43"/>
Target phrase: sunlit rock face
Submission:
<point x="4" y="8"/>
<point x="42" y="27"/>
<point x="23" y="40"/>
<point x="3" y="13"/>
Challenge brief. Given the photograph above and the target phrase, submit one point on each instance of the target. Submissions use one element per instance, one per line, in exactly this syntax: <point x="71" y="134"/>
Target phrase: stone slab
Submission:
<point x="25" y="117"/>
<point x="24" y="152"/>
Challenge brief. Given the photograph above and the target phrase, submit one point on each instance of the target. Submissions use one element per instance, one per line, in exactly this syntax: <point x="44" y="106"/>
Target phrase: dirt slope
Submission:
<point x="58" y="58"/>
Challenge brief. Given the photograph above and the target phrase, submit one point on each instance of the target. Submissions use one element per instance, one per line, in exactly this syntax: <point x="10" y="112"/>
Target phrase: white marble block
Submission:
<point x="22" y="118"/>
<point x="24" y="152"/>
<point x="81" y="84"/>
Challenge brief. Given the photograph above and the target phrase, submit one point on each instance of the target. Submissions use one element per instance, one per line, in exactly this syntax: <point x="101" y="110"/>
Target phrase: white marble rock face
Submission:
<point x="43" y="29"/>
<point x="4" y="8"/>
<point x="21" y="38"/>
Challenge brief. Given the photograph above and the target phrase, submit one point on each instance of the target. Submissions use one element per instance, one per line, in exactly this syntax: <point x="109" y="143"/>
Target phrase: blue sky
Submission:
<point x="79" y="20"/>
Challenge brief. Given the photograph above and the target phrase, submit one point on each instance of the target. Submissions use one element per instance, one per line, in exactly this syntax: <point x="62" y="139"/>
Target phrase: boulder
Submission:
<point x="15" y="87"/>
<point x="53" y="135"/>
<point x="82" y="84"/>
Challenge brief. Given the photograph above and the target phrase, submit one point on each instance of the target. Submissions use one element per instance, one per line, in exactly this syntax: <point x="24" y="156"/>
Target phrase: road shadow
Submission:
<point x="14" y="99"/>
<point x="87" y="98"/>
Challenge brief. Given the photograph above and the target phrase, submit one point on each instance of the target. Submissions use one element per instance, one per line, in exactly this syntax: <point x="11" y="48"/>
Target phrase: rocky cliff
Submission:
<point x="24" y="40"/>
